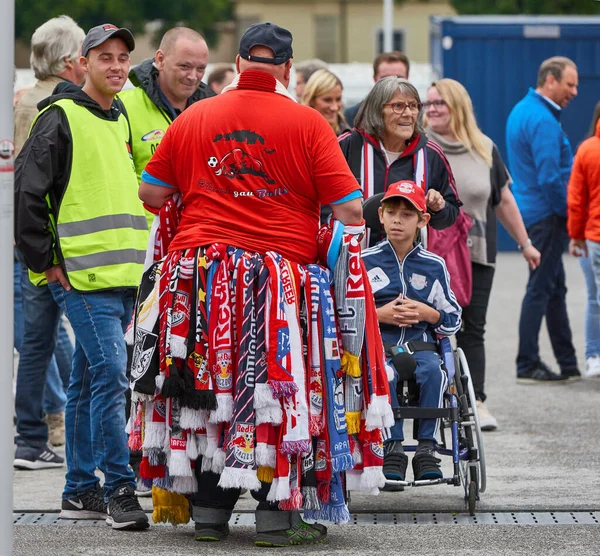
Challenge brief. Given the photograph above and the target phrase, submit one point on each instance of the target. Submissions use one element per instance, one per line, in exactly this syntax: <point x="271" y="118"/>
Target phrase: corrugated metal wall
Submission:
<point x="497" y="58"/>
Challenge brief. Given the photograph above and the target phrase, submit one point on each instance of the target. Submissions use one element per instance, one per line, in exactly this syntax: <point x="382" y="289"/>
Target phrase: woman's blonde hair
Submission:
<point x="462" y="118"/>
<point x="319" y="84"/>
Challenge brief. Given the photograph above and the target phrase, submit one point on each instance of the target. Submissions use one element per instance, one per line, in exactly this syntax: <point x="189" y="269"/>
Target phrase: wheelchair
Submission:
<point x="460" y="433"/>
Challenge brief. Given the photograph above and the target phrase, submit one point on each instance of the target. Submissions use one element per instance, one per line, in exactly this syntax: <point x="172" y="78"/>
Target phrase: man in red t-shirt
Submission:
<point x="252" y="167"/>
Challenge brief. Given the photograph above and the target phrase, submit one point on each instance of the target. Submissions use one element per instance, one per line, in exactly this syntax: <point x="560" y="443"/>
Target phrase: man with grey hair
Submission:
<point x="540" y="159"/>
<point x="42" y="378"/>
<point x="303" y="72"/>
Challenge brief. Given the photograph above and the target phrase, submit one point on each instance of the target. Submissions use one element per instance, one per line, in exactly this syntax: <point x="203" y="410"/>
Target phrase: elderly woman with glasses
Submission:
<point x="388" y="145"/>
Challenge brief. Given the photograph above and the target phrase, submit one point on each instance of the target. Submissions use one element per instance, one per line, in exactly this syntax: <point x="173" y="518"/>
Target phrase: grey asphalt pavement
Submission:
<point x="544" y="457"/>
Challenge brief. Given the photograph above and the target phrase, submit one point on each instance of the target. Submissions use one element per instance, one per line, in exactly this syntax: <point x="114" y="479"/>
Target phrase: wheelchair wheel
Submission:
<point x="472" y="497"/>
<point x="477" y="438"/>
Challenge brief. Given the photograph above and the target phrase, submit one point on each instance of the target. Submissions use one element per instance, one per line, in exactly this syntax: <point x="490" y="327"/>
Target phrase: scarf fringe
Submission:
<point x="179" y="347"/>
<point x="159" y="380"/>
<point x="206" y="465"/>
<point x="185" y="485"/>
<point x="353" y="422"/>
<point x="266" y="455"/>
<point x="179" y="464"/>
<point x="156" y="457"/>
<point x="342" y="462"/>
<point x="199" y="399"/>
<point x="169" y="507"/>
<point x="351" y="364"/>
<point x="310" y="498"/>
<point x="191" y="448"/>
<point x="149" y="472"/>
<point x="372" y="477"/>
<point x="192" y="419"/>
<point x="173" y="385"/>
<point x="164" y="483"/>
<point x="202" y="443"/>
<point x="273" y="415"/>
<point x="223" y="413"/>
<point x="283" y="388"/>
<point x="294" y="502"/>
<point x="218" y="461"/>
<point x="263" y="396"/>
<point x="280" y="489"/>
<point x="265" y="474"/>
<point x="234" y="477"/>
<point x="290" y="447"/>
<point x="334" y="514"/>
<point x="379" y="413"/>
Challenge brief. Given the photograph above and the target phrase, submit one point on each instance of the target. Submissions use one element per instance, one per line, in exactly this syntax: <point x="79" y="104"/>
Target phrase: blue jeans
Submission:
<point x="44" y="363"/>
<point x="432" y="381"/>
<point x="95" y="413"/>
<point x="545" y="296"/>
<point x="592" y="309"/>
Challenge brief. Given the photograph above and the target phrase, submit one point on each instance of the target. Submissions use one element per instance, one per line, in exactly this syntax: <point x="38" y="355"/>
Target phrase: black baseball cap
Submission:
<point x="278" y="39"/>
<point x="97" y="35"/>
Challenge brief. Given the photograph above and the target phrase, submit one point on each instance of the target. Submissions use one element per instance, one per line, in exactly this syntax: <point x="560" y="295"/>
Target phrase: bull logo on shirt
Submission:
<point x="237" y="163"/>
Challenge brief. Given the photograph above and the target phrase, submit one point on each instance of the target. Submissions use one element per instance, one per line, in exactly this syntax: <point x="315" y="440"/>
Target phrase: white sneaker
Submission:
<point x="487" y="421"/>
<point x="592" y="366"/>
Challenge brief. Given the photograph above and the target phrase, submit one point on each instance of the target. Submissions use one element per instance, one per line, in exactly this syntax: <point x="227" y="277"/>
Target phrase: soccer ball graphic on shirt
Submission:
<point x="212" y="162"/>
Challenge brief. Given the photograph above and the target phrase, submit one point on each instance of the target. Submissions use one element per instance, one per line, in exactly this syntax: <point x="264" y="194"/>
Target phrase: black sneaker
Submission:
<point x="124" y="510"/>
<point x="539" y="373"/>
<point x="395" y="461"/>
<point x="211" y="532"/>
<point x="426" y="466"/>
<point x="89" y="505"/>
<point x="28" y="457"/>
<point x="571" y="374"/>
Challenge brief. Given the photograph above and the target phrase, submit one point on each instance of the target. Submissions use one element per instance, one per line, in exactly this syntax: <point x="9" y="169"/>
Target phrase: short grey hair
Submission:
<point x="308" y="67"/>
<point x="52" y="42"/>
<point x="553" y="66"/>
<point x="370" y="114"/>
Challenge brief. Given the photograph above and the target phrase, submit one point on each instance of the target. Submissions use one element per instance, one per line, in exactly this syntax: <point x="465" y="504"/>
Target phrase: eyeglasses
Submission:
<point x="436" y="103"/>
<point x="400" y="107"/>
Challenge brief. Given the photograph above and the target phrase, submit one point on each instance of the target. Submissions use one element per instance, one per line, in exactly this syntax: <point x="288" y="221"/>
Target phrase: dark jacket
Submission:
<point x="44" y="166"/>
<point x="144" y="75"/>
<point x="439" y="173"/>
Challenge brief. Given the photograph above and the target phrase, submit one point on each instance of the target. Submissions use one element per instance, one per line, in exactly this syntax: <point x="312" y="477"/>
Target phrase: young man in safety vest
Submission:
<point x="78" y="220"/>
<point x="165" y="87"/>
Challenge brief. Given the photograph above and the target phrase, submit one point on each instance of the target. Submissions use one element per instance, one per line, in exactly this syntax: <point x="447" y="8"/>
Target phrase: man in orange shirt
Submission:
<point x="252" y="168"/>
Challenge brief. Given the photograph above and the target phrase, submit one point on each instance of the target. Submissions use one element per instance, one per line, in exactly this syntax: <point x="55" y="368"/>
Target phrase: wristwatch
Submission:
<point x="527" y="244"/>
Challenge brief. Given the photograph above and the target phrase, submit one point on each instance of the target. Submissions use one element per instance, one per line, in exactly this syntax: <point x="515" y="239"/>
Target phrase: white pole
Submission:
<point x="388" y="25"/>
<point x="7" y="68"/>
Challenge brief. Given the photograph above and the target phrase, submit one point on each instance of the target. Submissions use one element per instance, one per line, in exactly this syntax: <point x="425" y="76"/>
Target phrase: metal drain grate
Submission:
<point x="369" y="519"/>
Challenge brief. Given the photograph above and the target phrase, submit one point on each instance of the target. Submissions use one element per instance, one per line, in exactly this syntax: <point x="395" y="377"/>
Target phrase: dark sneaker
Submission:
<point x="395" y="462"/>
<point x="210" y="532"/>
<point x="124" y="510"/>
<point x="571" y="374"/>
<point x="299" y="533"/>
<point x="89" y="505"/>
<point x="28" y="457"/>
<point x="540" y="373"/>
<point x="426" y="466"/>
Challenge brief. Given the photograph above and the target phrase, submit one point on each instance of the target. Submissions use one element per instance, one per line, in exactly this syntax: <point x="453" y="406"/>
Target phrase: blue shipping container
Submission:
<point x="497" y="58"/>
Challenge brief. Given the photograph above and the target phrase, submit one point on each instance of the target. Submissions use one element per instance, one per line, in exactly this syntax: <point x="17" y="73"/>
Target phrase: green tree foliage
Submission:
<point x="527" y="7"/>
<point x="133" y="14"/>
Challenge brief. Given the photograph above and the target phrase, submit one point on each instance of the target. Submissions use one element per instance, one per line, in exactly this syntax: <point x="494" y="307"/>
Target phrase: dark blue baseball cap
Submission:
<point x="97" y="35"/>
<point x="278" y="39"/>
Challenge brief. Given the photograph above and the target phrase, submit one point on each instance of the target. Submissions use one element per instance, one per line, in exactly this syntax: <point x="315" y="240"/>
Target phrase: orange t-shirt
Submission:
<point x="253" y="168"/>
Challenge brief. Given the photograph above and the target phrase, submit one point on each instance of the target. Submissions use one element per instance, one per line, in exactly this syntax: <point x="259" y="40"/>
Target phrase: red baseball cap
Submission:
<point x="408" y="190"/>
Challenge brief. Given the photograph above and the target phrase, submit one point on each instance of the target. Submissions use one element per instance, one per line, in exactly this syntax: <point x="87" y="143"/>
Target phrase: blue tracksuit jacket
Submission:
<point x="422" y="276"/>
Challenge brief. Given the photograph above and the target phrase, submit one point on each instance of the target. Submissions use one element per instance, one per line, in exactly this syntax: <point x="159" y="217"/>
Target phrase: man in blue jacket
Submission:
<point x="540" y="159"/>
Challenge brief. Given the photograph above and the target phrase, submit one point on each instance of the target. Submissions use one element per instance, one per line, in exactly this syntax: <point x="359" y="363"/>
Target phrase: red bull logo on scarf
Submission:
<point x="223" y="376"/>
<point x="181" y="308"/>
<point x="321" y="456"/>
<point x="243" y="443"/>
<point x="377" y="449"/>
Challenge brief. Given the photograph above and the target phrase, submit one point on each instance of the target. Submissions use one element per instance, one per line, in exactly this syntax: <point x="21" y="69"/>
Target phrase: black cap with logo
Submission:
<point x="278" y="39"/>
<point x="97" y="35"/>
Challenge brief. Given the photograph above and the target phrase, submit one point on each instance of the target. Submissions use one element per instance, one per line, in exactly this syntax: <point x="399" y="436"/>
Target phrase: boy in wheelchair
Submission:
<point x="414" y="304"/>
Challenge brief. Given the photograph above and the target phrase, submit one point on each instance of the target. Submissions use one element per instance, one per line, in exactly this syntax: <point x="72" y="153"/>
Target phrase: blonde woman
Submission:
<point x="323" y="92"/>
<point x="483" y="183"/>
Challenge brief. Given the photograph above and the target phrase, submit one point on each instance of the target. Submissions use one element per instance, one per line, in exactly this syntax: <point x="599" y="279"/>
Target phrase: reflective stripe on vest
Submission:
<point x="101" y="227"/>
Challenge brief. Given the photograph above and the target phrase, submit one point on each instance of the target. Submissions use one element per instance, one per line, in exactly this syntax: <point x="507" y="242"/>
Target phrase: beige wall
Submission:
<point x="363" y="20"/>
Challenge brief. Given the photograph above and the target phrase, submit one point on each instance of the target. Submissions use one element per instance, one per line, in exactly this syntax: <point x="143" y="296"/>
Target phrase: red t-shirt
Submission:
<point x="253" y="167"/>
